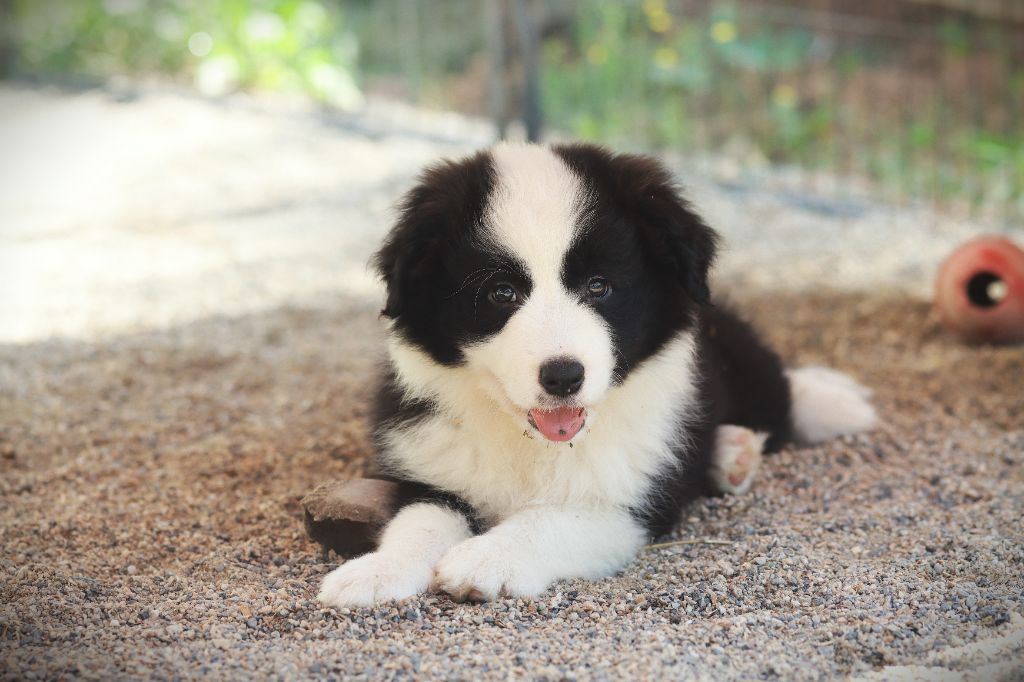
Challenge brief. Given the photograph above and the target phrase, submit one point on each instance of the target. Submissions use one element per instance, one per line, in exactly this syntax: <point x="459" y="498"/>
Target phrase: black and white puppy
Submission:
<point x="559" y="385"/>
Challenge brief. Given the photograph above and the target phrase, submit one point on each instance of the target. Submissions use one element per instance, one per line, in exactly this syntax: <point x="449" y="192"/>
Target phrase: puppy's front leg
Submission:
<point x="524" y="554"/>
<point x="404" y="562"/>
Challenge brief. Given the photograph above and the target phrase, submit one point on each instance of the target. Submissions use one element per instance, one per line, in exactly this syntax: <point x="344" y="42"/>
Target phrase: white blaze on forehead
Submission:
<point x="534" y="214"/>
<point x="534" y="208"/>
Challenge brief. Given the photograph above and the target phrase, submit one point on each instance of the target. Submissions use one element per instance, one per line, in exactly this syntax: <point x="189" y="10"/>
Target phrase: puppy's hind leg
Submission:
<point x="737" y="458"/>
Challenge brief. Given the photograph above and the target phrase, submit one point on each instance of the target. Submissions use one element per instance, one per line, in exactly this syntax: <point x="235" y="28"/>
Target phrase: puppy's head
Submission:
<point x="543" y="276"/>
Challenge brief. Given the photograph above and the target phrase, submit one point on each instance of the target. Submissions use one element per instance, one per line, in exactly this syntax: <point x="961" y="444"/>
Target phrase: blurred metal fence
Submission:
<point x="904" y="100"/>
<point x="909" y="100"/>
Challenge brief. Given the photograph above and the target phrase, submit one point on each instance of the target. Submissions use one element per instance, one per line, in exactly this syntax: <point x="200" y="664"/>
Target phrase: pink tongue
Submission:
<point x="561" y="424"/>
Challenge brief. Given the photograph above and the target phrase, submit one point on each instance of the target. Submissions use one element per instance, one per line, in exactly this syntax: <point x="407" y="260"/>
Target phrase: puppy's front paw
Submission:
<point x="371" y="579"/>
<point x="482" y="569"/>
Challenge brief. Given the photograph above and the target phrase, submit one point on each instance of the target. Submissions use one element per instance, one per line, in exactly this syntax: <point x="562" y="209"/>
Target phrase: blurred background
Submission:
<point x="245" y="133"/>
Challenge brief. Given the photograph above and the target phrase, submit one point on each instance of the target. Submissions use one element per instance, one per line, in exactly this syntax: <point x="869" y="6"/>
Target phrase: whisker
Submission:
<point x="476" y="297"/>
<point x="470" y="278"/>
<point x="503" y="262"/>
<point x="616" y="374"/>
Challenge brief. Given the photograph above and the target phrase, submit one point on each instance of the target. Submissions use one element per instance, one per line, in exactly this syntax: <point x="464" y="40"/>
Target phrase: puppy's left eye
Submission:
<point x="504" y="293"/>
<point x="598" y="287"/>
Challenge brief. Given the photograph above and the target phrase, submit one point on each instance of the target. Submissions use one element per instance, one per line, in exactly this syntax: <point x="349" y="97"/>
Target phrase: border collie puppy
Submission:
<point x="558" y="384"/>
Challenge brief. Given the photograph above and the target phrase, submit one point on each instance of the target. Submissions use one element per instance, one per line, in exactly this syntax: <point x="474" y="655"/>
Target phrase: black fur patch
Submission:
<point x="745" y="378"/>
<point x="413" y="492"/>
<point x="643" y="238"/>
<point x="643" y="193"/>
<point x="395" y="410"/>
<point x="742" y="382"/>
<point x="437" y="271"/>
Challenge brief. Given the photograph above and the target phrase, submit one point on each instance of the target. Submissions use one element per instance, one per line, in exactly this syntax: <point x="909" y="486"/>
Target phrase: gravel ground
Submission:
<point x="150" y="519"/>
<point x="153" y="451"/>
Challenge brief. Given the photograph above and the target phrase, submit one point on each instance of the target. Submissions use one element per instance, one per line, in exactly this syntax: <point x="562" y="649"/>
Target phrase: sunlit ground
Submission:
<point x="117" y="216"/>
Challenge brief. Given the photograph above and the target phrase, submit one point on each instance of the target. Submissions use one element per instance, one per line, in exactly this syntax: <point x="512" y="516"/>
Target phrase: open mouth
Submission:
<point x="560" y="424"/>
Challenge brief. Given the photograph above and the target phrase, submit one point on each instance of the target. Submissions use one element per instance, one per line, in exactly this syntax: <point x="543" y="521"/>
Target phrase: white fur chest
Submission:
<point x="477" y="448"/>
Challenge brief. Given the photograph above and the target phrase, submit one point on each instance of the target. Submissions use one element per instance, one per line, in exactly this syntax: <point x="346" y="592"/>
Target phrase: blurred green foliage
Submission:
<point x="639" y="75"/>
<point x="634" y="73"/>
<point x="222" y="45"/>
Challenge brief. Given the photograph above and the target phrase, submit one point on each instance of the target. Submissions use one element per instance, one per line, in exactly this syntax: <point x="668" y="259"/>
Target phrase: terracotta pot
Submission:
<point x="979" y="291"/>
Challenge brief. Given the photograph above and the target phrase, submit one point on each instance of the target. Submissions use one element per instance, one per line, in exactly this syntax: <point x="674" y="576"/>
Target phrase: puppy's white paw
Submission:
<point x="373" y="578"/>
<point x="737" y="458"/>
<point x="482" y="569"/>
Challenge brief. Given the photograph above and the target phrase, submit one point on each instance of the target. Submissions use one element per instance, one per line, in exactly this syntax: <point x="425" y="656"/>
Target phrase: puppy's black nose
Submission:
<point x="561" y="376"/>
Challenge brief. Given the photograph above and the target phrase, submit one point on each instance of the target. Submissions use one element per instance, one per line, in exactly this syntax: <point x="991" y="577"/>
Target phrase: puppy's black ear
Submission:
<point x="680" y="240"/>
<point x="396" y="259"/>
<point x="677" y="240"/>
<point x="399" y="265"/>
<point x="447" y="197"/>
<point x="411" y="247"/>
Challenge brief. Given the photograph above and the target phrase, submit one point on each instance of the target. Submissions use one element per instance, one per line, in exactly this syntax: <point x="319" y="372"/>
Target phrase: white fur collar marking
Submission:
<point x="474" y="449"/>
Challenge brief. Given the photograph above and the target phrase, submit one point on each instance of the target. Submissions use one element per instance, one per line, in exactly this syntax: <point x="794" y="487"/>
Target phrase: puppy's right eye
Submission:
<point x="503" y="293"/>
